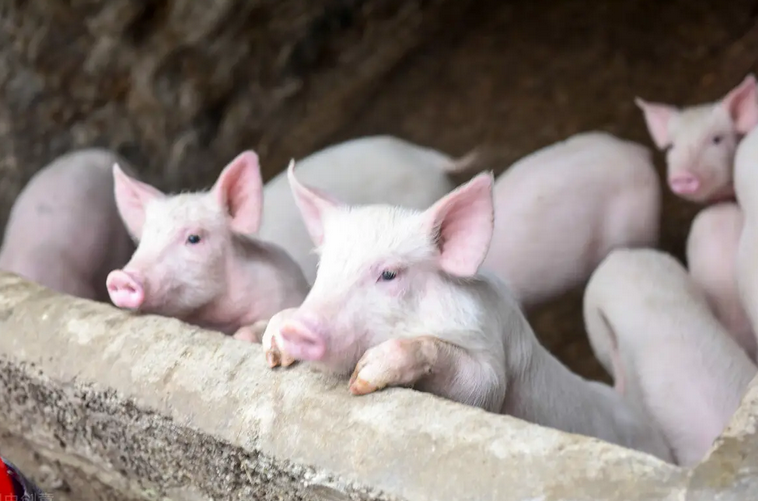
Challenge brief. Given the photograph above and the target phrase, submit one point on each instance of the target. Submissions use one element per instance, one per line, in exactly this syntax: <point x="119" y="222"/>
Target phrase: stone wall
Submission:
<point x="104" y="405"/>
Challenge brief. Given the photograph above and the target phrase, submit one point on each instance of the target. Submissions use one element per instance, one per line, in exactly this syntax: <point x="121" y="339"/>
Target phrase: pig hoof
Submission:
<point x="360" y="386"/>
<point x="272" y="357"/>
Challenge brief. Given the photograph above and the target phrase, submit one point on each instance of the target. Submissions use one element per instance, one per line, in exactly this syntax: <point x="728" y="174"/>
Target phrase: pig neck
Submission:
<point x="544" y="391"/>
<point x="261" y="280"/>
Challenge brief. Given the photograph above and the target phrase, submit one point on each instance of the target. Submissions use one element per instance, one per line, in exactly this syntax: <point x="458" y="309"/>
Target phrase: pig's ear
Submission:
<point x="657" y="118"/>
<point x="312" y="203"/>
<point x="461" y="224"/>
<point x="742" y="104"/>
<point x="239" y="190"/>
<point x="132" y="197"/>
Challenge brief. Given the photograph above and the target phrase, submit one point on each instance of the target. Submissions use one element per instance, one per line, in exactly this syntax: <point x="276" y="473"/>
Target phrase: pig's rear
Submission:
<point x="64" y="230"/>
<point x="560" y="210"/>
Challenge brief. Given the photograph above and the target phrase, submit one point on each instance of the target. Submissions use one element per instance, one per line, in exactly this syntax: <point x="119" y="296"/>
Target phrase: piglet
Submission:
<point x="367" y="170"/>
<point x="712" y="261"/>
<point x="64" y="231"/>
<point x="398" y="301"/>
<point x="654" y="332"/>
<point x="197" y="259"/>
<point x="560" y="210"/>
<point x="700" y="141"/>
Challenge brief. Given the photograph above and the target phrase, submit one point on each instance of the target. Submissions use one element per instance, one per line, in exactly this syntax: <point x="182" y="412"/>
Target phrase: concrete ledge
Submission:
<point x="155" y="409"/>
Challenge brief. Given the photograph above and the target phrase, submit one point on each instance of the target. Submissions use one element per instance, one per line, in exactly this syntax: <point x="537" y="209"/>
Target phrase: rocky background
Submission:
<point x="181" y="86"/>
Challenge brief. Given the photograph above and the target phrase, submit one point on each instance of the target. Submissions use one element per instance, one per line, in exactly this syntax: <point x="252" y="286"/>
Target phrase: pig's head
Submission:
<point x="184" y="240"/>
<point x="378" y="264"/>
<point x="700" y="141"/>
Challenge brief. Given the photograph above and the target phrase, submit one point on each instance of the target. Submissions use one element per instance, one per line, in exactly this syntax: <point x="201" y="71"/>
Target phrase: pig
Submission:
<point x="560" y="210"/>
<point x="366" y="170"/>
<point x="746" y="190"/>
<point x="653" y="331"/>
<point x="64" y="231"/>
<point x="700" y="141"/>
<point x="197" y="258"/>
<point x="712" y="261"/>
<point x="399" y="300"/>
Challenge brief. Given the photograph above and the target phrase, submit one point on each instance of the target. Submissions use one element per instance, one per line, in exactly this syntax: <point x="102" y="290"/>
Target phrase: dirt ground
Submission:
<point x="528" y="73"/>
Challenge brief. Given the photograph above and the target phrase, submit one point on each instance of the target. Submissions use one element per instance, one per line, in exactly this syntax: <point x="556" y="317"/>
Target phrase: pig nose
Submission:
<point x="302" y="338"/>
<point x="684" y="184"/>
<point x="125" y="289"/>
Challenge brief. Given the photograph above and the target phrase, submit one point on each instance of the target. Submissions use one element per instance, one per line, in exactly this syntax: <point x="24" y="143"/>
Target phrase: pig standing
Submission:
<point x="700" y="141"/>
<point x="653" y="331"/>
<point x="712" y="261"/>
<point x="399" y="302"/>
<point x="197" y="260"/>
<point x="368" y="170"/>
<point x="64" y="231"/>
<point x="560" y="210"/>
<point x="746" y="187"/>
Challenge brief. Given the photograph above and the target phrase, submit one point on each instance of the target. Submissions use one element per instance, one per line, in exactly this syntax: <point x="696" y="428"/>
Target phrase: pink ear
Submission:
<point x="312" y="203"/>
<point x="462" y="224"/>
<point x="657" y="117"/>
<point x="742" y="104"/>
<point x="131" y="198"/>
<point x="239" y="189"/>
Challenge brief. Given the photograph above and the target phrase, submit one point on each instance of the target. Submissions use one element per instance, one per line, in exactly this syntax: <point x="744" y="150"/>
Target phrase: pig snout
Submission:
<point x="302" y="337"/>
<point x="684" y="184"/>
<point x="125" y="289"/>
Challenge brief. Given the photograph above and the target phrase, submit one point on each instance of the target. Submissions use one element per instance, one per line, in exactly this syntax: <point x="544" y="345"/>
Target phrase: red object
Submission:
<point x="6" y="486"/>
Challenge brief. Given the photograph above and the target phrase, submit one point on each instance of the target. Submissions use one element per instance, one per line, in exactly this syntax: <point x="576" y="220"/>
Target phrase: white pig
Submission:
<point x="367" y="170"/>
<point x="700" y="141"/>
<point x="398" y="301"/>
<point x="654" y="332"/>
<point x="746" y="187"/>
<point x="560" y="210"/>
<point x="712" y="261"/>
<point x="64" y="231"/>
<point x="197" y="260"/>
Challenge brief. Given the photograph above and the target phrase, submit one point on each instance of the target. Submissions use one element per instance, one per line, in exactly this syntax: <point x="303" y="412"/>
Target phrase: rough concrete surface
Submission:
<point x="155" y="409"/>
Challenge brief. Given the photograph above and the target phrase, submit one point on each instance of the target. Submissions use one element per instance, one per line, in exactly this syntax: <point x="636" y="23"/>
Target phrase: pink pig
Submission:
<point x="746" y="187"/>
<point x="653" y="331"/>
<point x="398" y="301"/>
<point x="197" y="259"/>
<point x="712" y="261"/>
<point x="562" y="209"/>
<point x="64" y="231"/>
<point x="700" y="141"/>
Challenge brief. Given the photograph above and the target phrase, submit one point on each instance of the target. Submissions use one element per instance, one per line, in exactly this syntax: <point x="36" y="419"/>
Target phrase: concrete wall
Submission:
<point x="96" y="403"/>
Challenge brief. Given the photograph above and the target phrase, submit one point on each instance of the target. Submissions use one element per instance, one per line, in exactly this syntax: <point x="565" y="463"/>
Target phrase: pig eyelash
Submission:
<point x="388" y="275"/>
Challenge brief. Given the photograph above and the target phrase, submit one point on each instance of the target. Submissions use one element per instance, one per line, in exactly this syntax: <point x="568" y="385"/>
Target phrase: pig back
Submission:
<point x="66" y="216"/>
<point x="560" y="210"/>
<point x="369" y="170"/>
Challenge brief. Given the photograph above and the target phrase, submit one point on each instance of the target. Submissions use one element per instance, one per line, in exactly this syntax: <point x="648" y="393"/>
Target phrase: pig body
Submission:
<point x="367" y="170"/>
<point x="560" y="210"/>
<point x="712" y="261"/>
<point x="700" y="141"/>
<point x="653" y="331"/>
<point x="64" y="230"/>
<point x="398" y="301"/>
<point x="197" y="259"/>
<point x="746" y="188"/>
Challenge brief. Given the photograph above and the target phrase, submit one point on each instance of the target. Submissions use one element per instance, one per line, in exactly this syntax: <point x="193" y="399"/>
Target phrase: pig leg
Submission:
<point x="251" y="333"/>
<point x="275" y="356"/>
<point x="604" y="343"/>
<point x="432" y="365"/>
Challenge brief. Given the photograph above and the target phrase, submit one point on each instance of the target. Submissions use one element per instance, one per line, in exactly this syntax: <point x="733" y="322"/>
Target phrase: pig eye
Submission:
<point x="388" y="275"/>
<point x="716" y="139"/>
<point x="193" y="239"/>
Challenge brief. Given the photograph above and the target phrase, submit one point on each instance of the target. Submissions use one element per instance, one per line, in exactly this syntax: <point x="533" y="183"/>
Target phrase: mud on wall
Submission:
<point x="179" y="87"/>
